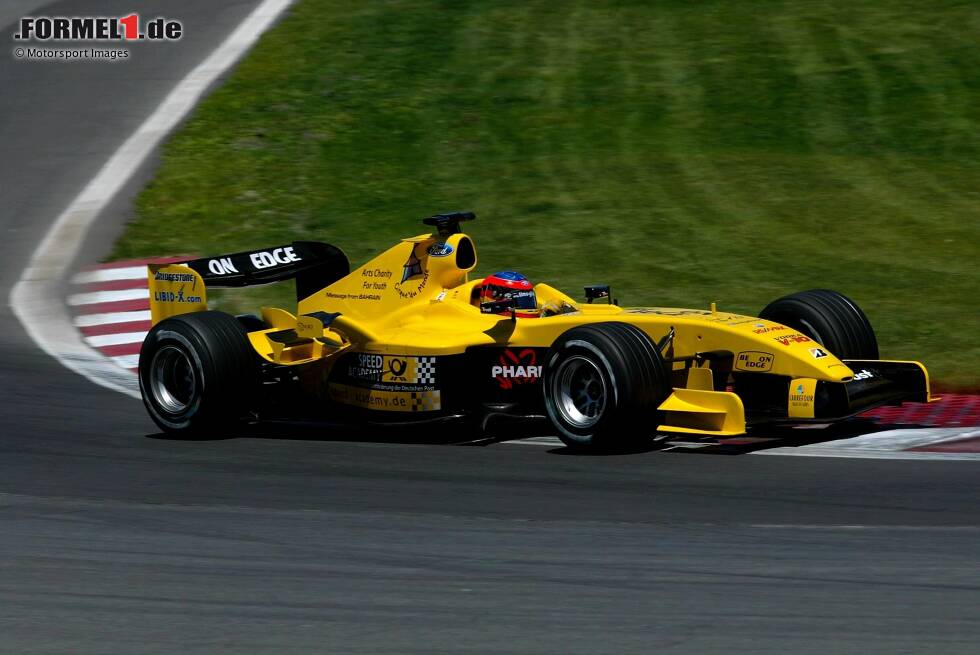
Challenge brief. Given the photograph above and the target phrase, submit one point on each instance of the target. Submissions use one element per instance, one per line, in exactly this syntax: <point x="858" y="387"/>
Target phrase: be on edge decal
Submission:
<point x="753" y="360"/>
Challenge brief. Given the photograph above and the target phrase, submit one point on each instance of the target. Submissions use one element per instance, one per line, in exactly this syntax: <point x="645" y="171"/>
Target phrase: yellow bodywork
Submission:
<point x="695" y="411"/>
<point x="408" y="302"/>
<point x="433" y="313"/>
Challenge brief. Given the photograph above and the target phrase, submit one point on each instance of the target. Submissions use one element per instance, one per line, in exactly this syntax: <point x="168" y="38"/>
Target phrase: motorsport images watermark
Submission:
<point x="39" y="31"/>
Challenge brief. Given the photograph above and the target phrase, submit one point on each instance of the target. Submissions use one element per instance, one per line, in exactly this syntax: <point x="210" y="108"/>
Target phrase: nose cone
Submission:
<point x="824" y="365"/>
<point x="794" y="353"/>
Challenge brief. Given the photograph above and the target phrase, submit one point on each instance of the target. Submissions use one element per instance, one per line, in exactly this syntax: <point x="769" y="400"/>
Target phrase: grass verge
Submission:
<point x="682" y="152"/>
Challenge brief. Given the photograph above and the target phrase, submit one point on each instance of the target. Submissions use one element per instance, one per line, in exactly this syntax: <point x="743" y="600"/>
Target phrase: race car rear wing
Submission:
<point x="182" y="288"/>
<point x="312" y="264"/>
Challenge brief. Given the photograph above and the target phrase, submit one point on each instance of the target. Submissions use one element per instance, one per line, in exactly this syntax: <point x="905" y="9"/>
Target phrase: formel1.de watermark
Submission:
<point x="47" y="38"/>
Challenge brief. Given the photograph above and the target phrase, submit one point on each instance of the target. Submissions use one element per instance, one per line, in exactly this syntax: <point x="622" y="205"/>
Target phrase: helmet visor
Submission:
<point x="524" y="299"/>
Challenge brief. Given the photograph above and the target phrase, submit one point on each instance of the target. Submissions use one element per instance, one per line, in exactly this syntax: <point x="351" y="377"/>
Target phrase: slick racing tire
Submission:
<point x="603" y="384"/>
<point x="197" y="373"/>
<point x="831" y="319"/>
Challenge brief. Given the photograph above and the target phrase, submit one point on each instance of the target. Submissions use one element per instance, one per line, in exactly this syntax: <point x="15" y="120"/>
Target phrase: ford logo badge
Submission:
<point x="440" y="250"/>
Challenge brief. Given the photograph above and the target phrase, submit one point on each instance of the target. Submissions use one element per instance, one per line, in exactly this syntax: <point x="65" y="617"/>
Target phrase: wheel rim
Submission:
<point x="173" y="381"/>
<point x="580" y="392"/>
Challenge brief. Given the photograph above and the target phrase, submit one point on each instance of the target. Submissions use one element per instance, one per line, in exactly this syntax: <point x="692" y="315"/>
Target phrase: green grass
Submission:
<point x="681" y="151"/>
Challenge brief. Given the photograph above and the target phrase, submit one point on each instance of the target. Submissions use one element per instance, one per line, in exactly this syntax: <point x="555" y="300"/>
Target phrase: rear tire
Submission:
<point x="198" y="373"/>
<point x="831" y="319"/>
<point x="602" y="386"/>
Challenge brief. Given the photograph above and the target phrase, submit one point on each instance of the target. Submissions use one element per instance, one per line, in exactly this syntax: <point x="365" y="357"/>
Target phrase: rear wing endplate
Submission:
<point x="174" y="289"/>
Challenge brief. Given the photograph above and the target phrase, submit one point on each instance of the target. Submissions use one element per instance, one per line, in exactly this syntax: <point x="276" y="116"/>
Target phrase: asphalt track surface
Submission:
<point x="113" y="539"/>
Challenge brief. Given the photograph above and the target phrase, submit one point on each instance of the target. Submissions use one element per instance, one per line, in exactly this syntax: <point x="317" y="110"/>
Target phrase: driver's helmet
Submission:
<point x="500" y="288"/>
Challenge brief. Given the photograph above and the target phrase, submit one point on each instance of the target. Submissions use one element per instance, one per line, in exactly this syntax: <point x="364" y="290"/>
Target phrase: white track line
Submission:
<point x="854" y="453"/>
<point x="890" y="444"/>
<point x="36" y="298"/>
<point x="97" y="297"/>
<point x="127" y="361"/>
<point x="537" y="441"/>
<point x="110" y="275"/>
<point x="117" y="339"/>
<point x="91" y="320"/>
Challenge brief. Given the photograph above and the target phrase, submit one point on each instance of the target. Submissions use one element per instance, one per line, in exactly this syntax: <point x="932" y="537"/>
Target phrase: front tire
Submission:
<point x="603" y="384"/>
<point x="197" y="373"/>
<point x="831" y="319"/>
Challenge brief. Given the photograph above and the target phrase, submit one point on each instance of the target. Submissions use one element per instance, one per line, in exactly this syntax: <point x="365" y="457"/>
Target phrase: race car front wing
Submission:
<point x="757" y="400"/>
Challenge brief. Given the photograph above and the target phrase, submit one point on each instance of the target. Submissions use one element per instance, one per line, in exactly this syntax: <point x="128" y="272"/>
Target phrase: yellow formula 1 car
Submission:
<point x="413" y="335"/>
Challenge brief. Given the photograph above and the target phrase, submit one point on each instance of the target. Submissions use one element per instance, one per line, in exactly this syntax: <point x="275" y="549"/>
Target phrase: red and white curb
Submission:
<point x="918" y="444"/>
<point x="111" y="308"/>
<point x="36" y="298"/>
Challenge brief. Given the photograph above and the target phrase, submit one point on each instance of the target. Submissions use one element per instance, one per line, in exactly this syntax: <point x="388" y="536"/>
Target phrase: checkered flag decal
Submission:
<point x="425" y="370"/>
<point x="426" y="401"/>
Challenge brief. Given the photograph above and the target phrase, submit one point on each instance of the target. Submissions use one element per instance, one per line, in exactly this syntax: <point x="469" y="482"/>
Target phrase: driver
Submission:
<point x="502" y="290"/>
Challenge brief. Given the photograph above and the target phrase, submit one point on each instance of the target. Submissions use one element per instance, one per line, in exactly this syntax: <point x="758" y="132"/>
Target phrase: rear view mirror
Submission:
<point x="594" y="291"/>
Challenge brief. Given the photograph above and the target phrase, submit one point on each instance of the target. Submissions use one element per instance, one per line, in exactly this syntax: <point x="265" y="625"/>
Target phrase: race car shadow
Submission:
<point x="756" y="440"/>
<point x="454" y="431"/>
<point x="777" y="437"/>
<point x="537" y="430"/>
